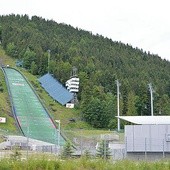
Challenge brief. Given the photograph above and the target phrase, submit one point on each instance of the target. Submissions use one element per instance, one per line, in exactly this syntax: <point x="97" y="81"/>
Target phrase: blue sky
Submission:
<point x="141" y="23"/>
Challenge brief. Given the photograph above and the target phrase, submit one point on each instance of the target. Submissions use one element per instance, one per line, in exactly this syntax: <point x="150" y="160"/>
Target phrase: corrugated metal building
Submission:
<point x="147" y="138"/>
<point x="150" y="139"/>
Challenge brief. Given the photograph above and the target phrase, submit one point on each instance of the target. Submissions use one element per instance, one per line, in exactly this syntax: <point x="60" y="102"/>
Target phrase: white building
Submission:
<point x="73" y="85"/>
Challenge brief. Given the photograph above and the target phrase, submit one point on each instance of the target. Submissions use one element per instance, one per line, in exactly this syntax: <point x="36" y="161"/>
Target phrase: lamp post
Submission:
<point x="118" y="109"/>
<point x="151" y="92"/>
<point x="49" y="51"/>
<point x="58" y="121"/>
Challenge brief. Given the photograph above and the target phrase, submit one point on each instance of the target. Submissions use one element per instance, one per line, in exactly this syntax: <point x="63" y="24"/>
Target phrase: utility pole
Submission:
<point x="151" y="92"/>
<point x="49" y="51"/>
<point x="118" y="110"/>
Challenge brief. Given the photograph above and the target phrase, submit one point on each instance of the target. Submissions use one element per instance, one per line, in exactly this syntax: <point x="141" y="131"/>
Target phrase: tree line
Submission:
<point x="100" y="62"/>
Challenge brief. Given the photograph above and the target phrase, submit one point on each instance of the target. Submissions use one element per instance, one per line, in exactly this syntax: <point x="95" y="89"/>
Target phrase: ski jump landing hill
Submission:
<point x="31" y="116"/>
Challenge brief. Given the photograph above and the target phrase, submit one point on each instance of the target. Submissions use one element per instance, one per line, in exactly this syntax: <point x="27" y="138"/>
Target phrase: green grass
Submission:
<point x="6" y="60"/>
<point x="44" y="162"/>
<point x="5" y="109"/>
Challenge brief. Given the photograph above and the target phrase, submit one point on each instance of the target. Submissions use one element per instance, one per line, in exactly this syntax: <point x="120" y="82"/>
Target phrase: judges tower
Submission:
<point x="73" y="85"/>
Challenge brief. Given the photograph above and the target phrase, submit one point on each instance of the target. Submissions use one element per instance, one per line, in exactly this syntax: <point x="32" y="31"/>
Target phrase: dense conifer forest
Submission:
<point x="100" y="62"/>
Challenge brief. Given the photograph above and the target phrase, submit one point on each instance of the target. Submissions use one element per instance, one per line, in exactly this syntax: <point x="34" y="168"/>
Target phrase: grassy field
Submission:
<point x="5" y="109"/>
<point x="6" y="60"/>
<point x="44" y="162"/>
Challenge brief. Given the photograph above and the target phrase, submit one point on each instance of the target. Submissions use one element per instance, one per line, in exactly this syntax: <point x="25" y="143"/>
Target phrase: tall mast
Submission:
<point x="118" y="108"/>
<point x="151" y="92"/>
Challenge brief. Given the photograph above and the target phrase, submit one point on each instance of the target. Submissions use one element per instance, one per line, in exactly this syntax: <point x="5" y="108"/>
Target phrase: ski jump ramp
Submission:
<point x="31" y="116"/>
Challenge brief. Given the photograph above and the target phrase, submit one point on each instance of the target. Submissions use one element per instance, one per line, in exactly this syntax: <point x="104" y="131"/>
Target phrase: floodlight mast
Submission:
<point x="151" y="92"/>
<point x="118" y="108"/>
<point x="49" y="51"/>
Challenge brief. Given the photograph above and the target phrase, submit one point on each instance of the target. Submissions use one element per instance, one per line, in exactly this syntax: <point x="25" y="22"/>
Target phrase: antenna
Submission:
<point x="151" y="92"/>
<point x="74" y="72"/>
<point x="118" y="110"/>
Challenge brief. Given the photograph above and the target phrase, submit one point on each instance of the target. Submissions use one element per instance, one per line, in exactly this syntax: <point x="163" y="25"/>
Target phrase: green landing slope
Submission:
<point x="32" y="117"/>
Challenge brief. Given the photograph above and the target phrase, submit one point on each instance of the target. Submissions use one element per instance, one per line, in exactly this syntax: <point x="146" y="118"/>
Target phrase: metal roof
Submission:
<point x="147" y="120"/>
<point x="55" y="89"/>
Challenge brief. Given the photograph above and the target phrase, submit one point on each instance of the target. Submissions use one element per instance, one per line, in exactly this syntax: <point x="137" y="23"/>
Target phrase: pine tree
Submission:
<point x="103" y="151"/>
<point x="67" y="151"/>
<point x="34" y="68"/>
<point x="87" y="154"/>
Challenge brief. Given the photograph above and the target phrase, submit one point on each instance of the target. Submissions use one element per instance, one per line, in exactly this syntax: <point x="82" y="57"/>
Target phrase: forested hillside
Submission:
<point x="99" y="60"/>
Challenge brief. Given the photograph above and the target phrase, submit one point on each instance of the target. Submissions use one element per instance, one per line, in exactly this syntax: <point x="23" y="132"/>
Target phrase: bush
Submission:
<point x="16" y="155"/>
<point x="1" y="89"/>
